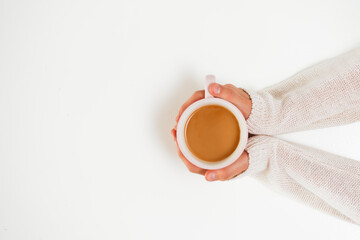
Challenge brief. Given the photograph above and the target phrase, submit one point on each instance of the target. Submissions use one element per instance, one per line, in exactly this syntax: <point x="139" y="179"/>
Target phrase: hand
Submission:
<point x="242" y="101"/>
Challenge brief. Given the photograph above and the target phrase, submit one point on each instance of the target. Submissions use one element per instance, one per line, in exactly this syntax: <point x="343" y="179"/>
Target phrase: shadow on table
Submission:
<point x="171" y="103"/>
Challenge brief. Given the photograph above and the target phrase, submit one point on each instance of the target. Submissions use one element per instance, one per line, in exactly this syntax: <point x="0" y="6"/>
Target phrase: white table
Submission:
<point x="88" y="94"/>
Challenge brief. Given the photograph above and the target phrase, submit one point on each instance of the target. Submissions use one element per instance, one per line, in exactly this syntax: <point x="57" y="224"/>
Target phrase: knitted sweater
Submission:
<point x="324" y="95"/>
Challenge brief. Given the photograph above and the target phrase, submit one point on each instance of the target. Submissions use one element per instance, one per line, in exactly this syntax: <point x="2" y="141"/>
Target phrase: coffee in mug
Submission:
<point x="212" y="133"/>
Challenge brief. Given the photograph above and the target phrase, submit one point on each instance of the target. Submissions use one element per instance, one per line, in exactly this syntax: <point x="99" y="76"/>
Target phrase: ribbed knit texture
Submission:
<point x="324" y="95"/>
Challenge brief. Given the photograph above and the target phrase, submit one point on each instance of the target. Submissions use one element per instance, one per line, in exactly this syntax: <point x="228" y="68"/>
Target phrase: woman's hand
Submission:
<point x="242" y="101"/>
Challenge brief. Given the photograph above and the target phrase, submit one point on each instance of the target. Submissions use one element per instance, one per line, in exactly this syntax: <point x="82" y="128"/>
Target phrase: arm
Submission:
<point x="324" y="95"/>
<point x="325" y="181"/>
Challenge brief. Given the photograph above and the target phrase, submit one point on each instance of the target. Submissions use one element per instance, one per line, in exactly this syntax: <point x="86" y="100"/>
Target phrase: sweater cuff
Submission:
<point x="258" y="119"/>
<point x="260" y="149"/>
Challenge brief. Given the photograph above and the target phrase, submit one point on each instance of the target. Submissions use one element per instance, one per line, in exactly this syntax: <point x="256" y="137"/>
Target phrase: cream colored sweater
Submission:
<point x="324" y="95"/>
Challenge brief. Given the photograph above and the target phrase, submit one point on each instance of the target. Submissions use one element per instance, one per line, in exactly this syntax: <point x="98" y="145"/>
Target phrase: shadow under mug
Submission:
<point x="210" y="100"/>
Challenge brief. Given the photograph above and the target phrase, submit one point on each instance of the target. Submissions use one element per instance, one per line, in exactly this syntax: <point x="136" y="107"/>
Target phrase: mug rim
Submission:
<point x="181" y="135"/>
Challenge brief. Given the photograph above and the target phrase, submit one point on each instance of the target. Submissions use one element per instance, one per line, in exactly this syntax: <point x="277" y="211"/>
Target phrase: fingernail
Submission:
<point x="211" y="176"/>
<point x="215" y="88"/>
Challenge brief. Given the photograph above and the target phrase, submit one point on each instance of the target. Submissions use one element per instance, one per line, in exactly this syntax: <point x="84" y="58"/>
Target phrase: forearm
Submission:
<point x="324" y="95"/>
<point x="322" y="180"/>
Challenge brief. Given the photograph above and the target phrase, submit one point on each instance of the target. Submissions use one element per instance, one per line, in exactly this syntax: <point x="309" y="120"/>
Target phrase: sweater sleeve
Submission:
<point x="325" y="181"/>
<point x="324" y="95"/>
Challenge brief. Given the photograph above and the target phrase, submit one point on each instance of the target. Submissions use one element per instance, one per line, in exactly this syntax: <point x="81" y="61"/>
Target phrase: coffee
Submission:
<point x="212" y="133"/>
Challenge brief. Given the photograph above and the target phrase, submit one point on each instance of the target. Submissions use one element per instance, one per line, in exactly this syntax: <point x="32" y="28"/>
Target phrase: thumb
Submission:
<point x="230" y="94"/>
<point x="226" y="93"/>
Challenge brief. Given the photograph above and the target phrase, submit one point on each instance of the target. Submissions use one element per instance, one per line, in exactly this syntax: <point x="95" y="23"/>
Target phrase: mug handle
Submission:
<point x="209" y="79"/>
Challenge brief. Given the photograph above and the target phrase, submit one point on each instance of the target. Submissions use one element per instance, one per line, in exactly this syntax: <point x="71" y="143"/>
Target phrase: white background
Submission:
<point x="88" y="94"/>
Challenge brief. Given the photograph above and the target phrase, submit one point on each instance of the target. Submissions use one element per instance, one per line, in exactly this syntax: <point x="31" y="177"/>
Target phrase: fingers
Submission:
<point x="230" y="171"/>
<point x="231" y="86"/>
<point x="191" y="167"/>
<point x="234" y="95"/>
<point x="173" y="133"/>
<point x="195" y="97"/>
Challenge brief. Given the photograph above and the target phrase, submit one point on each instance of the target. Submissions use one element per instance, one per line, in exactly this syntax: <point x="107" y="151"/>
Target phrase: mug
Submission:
<point x="211" y="100"/>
